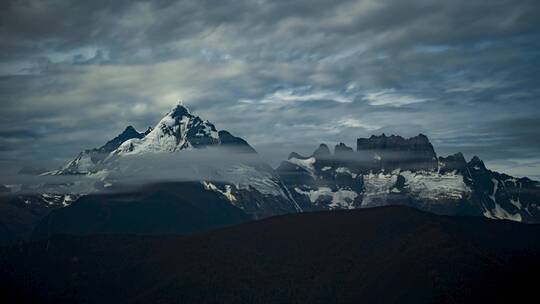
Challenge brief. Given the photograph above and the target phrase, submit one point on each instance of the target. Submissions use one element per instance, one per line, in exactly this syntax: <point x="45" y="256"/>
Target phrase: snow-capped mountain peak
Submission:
<point x="178" y="130"/>
<point x="241" y="176"/>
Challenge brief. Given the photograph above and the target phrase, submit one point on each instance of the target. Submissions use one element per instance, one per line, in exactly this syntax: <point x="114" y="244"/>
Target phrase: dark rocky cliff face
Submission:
<point x="114" y="143"/>
<point x="455" y="162"/>
<point x="167" y="208"/>
<point x="395" y="152"/>
<point x="236" y="143"/>
<point x="502" y="196"/>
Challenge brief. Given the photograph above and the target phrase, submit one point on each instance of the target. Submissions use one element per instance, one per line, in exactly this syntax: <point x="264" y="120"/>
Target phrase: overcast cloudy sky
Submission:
<point x="284" y="75"/>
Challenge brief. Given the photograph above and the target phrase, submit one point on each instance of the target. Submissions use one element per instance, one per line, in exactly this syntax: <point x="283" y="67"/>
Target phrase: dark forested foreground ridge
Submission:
<point x="378" y="255"/>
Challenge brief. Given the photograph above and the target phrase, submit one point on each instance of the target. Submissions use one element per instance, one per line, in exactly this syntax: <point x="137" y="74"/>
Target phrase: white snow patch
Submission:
<point x="207" y="130"/>
<point x="340" y="199"/>
<point x="306" y="164"/>
<point x="500" y="213"/>
<point x="344" y="170"/>
<point x="50" y="198"/>
<point x="227" y="193"/>
<point x="376" y="188"/>
<point x="82" y="164"/>
<point x="516" y="203"/>
<point x="495" y="187"/>
<point x="436" y="186"/>
<point x="68" y="199"/>
<point x="244" y="176"/>
<point x="168" y="135"/>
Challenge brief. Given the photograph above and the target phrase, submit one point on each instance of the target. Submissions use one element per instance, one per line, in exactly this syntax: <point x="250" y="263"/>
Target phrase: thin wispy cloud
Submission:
<point x="356" y="123"/>
<point x="476" y="86"/>
<point x="391" y="98"/>
<point x="302" y="94"/>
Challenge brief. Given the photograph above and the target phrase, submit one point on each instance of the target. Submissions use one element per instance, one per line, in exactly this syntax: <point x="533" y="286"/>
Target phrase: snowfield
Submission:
<point x="340" y="199"/>
<point x="435" y="186"/>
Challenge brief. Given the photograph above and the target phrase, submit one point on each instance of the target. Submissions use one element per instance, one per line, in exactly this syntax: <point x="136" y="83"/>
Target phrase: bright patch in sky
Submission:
<point x="302" y="94"/>
<point x="355" y="123"/>
<point x="389" y="97"/>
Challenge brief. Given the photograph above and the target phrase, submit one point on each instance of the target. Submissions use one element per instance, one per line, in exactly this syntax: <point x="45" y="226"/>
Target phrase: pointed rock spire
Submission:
<point x="179" y="110"/>
<point x="322" y="151"/>
<point x="477" y="164"/>
<point x="128" y="133"/>
<point x="342" y="149"/>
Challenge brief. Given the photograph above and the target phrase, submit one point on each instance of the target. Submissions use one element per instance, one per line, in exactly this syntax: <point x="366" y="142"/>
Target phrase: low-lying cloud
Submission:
<point x="215" y="164"/>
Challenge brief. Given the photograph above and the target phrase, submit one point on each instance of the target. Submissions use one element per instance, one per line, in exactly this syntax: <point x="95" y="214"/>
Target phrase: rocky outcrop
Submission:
<point x="453" y="163"/>
<point x="503" y="196"/>
<point x="226" y="139"/>
<point x="388" y="153"/>
<point x="114" y="143"/>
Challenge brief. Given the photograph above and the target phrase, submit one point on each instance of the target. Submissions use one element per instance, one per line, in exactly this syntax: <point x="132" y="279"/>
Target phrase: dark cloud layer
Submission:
<point x="284" y="75"/>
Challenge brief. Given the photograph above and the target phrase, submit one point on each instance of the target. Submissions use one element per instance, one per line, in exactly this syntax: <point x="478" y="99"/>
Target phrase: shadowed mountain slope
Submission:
<point x="166" y="208"/>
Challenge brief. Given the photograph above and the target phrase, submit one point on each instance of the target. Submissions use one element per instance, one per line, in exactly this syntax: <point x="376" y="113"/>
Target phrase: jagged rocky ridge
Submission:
<point x="392" y="170"/>
<point x="89" y="160"/>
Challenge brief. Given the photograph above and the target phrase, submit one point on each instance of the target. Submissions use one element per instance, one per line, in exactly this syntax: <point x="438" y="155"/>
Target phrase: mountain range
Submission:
<point x="116" y="183"/>
<point x="391" y="170"/>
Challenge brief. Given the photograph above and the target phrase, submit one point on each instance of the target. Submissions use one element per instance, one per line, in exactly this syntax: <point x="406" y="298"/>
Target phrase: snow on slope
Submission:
<point x="227" y="192"/>
<point x="245" y="176"/>
<point x="376" y="188"/>
<point x="435" y="186"/>
<point x="83" y="164"/>
<point x="306" y="164"/>
<point x="340" y="199"/>
<point x="499" y="213"/>
<point x="171" y="134"/>
<point x="422" y="185"/>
